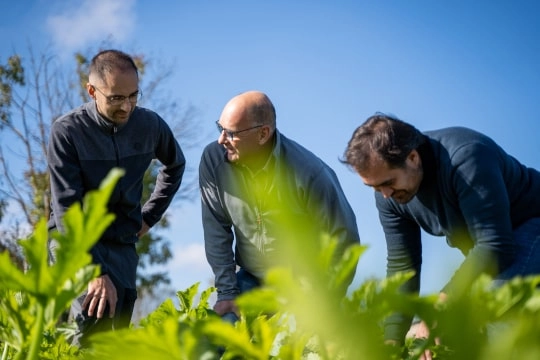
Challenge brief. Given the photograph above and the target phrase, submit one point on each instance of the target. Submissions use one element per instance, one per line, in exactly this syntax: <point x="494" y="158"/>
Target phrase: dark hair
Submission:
<point x="385" y="136"/>
<point x="108" y="60"/>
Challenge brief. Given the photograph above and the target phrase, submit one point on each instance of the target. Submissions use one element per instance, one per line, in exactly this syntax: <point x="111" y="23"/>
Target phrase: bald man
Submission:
<point x="260" y="189"/>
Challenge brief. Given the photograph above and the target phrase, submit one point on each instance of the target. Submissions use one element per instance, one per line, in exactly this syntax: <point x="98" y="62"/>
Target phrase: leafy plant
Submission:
<point x="300" y="312"/>
<point x="33" y="300"/>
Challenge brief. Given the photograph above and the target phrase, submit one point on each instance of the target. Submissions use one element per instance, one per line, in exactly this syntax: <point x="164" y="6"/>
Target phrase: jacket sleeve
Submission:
<point x="218" y="235"/>
<point x="404" y="253"/>
<point x="169" y="178"/>
<point x="65" y="173"/>
<point x="482" y="197"/>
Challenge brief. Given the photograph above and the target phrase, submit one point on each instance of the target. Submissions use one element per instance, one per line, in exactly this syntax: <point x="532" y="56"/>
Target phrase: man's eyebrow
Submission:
<point x="133" y="93"/>
<point x="384" y="183"/>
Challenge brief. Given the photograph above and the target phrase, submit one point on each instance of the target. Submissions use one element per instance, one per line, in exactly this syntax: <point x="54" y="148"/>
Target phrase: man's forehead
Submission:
<point x="376" y="172"/>
<point x="233" y="115"/>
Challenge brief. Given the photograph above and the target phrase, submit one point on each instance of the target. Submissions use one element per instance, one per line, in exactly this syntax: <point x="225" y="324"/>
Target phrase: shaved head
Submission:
<point x="253" y="106"/>
<point x="252" y="117"/>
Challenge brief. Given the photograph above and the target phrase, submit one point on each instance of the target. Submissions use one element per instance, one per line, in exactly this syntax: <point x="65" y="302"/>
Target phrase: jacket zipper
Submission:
<point x="116" y="151"/>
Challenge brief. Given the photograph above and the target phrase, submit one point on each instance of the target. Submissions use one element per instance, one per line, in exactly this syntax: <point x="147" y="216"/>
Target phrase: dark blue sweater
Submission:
<point x="473" y="193"/>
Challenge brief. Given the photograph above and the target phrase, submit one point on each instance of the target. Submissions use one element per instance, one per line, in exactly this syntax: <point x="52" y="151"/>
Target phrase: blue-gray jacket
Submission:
<point x="295" y="197"/>
<point x="84" y="147"/>
<point x="473" y="193"/>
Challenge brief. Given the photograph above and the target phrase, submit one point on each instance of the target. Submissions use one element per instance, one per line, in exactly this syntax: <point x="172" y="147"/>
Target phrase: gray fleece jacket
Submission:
<point x="295" y="198"/>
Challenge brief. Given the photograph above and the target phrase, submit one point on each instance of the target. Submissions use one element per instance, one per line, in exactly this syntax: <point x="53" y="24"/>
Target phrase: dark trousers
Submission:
<point x="121" y="260"/>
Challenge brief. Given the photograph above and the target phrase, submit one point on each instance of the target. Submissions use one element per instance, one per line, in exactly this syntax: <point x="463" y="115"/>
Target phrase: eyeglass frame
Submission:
<point x="116" y="100"/>
<point x="230" y="134"/>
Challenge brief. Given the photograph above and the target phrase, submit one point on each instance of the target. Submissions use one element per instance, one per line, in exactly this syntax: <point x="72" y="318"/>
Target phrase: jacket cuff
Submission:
<point x="150" y="220"/>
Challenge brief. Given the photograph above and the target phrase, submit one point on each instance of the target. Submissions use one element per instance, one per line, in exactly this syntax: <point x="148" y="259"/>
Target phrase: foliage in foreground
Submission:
<point x="32" y="301"/>
<point x="292" y="317"/>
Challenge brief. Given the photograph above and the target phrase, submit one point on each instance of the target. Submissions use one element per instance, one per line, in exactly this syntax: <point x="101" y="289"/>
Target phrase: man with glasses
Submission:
<point x="261" y="190"/>
<point x="452" y="182"/>
<point x="85" y="144"/>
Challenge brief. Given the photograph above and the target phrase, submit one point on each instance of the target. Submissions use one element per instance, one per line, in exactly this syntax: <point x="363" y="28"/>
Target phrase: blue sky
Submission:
<point x="327" y="66"/>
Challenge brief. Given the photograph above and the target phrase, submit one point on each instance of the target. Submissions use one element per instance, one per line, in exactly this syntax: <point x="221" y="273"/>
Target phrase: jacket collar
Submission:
<point x="103" y="123"/>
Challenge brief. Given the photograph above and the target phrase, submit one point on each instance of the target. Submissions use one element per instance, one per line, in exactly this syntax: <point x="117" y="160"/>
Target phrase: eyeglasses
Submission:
<point x="230" y="134"/>
<point x="116" y="100"/>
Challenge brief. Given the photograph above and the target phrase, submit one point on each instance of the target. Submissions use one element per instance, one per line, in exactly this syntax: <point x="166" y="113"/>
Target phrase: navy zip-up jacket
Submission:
<point x="473" y="193"/>
<point x="84" y="147"/>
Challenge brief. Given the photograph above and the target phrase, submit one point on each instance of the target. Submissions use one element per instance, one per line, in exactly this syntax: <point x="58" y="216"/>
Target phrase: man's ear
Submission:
<point x="264" y="134"/>
<point x="414" y="157"/>
<point x="91" y="90"/>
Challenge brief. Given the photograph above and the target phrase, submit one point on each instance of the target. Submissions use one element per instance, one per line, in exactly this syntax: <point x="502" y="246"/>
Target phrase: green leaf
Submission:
<point x="161" y="342"/>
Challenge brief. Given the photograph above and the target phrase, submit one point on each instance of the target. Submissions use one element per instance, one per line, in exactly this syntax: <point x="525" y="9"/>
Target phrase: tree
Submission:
<point x="36" y="90"/>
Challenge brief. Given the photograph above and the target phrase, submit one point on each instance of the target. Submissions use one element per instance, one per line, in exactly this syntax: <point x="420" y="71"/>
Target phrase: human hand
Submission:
<point x="422" y="332"/>
<point x="226" y="306"/>
<point x="101" y="291"/>
<point x="144" y="229"/>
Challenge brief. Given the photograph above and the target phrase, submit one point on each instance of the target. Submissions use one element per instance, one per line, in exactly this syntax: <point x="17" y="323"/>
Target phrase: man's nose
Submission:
<point x="386" y="192"/>
<point x="127" y="105"/>
<point x="222" y="139"/>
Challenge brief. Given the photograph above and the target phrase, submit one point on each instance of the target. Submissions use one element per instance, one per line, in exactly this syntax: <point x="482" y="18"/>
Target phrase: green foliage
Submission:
<point x="33" y="300"/>
<point x="307" y="317"/>
<point x="301" y="312"/>
<point x="166" y="333"/>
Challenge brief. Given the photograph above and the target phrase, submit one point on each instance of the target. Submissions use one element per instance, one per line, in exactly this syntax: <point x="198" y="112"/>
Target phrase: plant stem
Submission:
<point x="33" y="353"/>
<point x="5" y="352"/>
